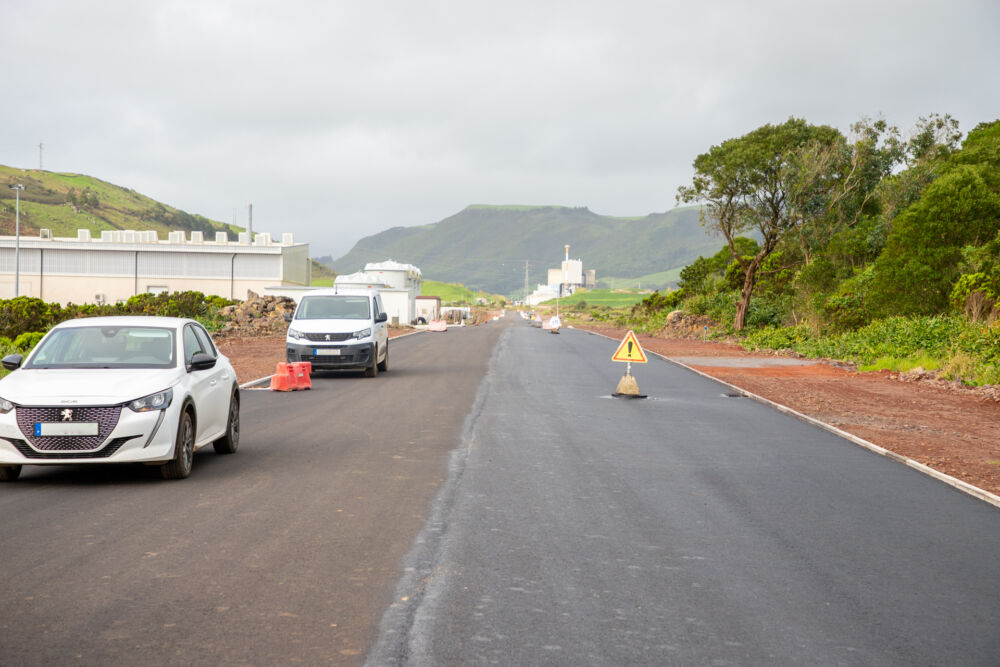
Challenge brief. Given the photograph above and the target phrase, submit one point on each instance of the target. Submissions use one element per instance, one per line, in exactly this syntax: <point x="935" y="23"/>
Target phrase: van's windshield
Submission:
<point x="333" y="307"/>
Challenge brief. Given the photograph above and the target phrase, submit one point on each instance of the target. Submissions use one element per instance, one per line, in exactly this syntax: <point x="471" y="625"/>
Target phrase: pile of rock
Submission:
<point x="257" y="316"/>
<point x="685" y="325"/>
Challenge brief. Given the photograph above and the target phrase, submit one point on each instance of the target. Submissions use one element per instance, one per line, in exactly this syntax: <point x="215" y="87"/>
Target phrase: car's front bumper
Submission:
<point x="136" y="437"/>
<point x="331" y="357"/>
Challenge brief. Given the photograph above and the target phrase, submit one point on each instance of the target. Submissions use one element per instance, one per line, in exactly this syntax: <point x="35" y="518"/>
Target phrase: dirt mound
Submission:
<point x="257" y="316"/>
<point x="685" y="325"/>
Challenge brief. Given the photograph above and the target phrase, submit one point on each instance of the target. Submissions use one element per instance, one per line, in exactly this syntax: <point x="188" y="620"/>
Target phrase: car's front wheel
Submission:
<point x="372" y="369"/>
<point x="9" y="473"/>
<point x="180" y="466"/>
<point x="228" y="443"/>
<point x="384" y="366"/>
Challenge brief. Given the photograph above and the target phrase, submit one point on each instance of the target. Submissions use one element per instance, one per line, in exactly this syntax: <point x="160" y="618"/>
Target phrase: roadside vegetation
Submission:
<point x="875" y="248"/>
<point x="24" y="320"/>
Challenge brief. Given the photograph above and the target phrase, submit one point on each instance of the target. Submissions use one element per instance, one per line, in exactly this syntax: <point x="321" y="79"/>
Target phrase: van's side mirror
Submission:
<point x="288" y="317"/>
<point x="382" y="317"/>
<point x="12" y="361"/>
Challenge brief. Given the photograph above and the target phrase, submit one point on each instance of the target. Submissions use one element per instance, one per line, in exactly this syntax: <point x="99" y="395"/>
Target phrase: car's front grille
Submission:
<point x="106" y="418"/>
<point x="331" y="337"/>
<point x="102" y="453"/>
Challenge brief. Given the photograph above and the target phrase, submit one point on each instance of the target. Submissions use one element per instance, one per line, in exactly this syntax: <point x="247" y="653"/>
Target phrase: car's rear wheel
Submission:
<point x="9" y="473"/>
<point x="228" y="443"/>
<point x="384" y="365"/>
<point x="180" y="466"/>
<point x="372" y="369"/>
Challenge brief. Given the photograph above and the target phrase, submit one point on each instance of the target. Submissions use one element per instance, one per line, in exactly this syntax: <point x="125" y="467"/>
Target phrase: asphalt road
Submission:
<point x="285" y="553"/>
<point x="688" y="528"/>
<point x="487" y="501"/>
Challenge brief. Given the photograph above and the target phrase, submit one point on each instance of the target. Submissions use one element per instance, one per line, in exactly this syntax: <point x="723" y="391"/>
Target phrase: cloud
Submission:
<point x="341" y="119"/>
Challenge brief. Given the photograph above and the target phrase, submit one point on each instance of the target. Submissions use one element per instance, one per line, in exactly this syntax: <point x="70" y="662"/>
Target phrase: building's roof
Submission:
<point x="390" y="265"/>
<point x="359" y="278"/>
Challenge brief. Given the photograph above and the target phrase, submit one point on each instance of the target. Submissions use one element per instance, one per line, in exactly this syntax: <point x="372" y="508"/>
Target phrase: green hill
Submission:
<point x="486" y="247"/>
<point x="64" y="203"/>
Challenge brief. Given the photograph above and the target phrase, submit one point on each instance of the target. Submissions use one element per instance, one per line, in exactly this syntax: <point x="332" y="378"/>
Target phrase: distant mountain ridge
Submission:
<point x="63" y="203"/>
<point x="485" y="247"/>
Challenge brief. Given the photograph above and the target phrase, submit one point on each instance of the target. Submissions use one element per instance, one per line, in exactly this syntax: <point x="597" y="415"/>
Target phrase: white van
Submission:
<point x="340" y="329"/>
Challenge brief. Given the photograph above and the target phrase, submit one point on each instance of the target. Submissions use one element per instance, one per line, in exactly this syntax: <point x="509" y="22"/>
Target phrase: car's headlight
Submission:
<point x="5" y="406"/>
<point x="294" y="333"/>
<point x="158" y="401"/>
<point x="364" y="333"/>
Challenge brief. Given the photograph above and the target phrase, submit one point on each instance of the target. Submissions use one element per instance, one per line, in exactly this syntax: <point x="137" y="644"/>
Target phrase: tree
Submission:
<point x="743" y="186"/>
<point x="957" y="213"/>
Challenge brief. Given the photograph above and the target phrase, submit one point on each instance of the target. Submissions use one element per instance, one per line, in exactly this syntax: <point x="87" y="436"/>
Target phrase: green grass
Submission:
<point x="453" y="293"/>
<point x="657" y="280"/>
<point x="601" y="297"/>
<point x="48" y="203"/>
<point x="902" y="365"/>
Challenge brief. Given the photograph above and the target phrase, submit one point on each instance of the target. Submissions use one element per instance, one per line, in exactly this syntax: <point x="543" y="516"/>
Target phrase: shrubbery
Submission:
<point x="27" y="314"/>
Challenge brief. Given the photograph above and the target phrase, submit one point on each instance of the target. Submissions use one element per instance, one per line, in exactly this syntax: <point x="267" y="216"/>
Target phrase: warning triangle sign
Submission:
<point x="630" y="350"/>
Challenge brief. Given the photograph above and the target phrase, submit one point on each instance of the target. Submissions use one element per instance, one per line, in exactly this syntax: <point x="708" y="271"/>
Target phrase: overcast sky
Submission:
<point x="340" y="119"/>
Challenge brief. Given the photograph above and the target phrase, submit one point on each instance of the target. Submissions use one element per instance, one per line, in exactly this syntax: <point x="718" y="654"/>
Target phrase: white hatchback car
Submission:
<point x="118" y="390"/>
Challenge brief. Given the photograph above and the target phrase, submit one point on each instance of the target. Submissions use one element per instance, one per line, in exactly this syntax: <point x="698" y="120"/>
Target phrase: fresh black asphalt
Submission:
<point x="487" y="501"/>
<point x="688" y="528"/>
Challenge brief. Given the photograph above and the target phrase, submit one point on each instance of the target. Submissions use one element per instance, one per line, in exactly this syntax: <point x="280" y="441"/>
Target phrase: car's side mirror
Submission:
<point x="288" y="317"/>
<point x="12" y="361"/>
<point x="202" y="362"/>
<point x="382" y="317"/>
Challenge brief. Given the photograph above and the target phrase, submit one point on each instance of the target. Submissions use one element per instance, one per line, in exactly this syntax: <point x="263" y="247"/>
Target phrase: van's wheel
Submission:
<point x="180" y="466"/>
<point x="384" y="366"/>
<point x="228" y="443"/>
<point x="9" y="473"/>
<point x="372" y="369"/>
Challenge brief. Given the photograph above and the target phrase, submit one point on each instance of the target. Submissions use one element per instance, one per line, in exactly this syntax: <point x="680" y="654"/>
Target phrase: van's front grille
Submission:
<point x="331" y="337"/>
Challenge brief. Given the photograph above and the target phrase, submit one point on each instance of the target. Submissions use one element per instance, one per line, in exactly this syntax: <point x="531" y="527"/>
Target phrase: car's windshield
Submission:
<point x="106" y="347"/>
<point x="334" y="307"/>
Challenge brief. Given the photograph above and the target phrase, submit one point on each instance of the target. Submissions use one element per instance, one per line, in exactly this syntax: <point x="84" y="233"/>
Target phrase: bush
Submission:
<point x="28" y="340"/>
<point x="26" y="313"/>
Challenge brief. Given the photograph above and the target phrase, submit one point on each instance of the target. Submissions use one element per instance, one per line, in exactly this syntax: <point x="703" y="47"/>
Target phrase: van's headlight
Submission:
<point x="295" y="334"/>
<point x="5" y="406"/>
<point x="158" y="401"/>
<point x="364" y="333"/>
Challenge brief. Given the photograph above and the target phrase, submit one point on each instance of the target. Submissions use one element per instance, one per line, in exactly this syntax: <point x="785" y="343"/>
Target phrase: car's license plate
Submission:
<point x="65" y="428"/>
<point x="326" y="351"/>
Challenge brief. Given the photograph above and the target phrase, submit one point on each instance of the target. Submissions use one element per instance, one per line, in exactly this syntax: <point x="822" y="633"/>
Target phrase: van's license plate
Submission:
<point x="65" y="428"/>
<point x="326" y="351"/>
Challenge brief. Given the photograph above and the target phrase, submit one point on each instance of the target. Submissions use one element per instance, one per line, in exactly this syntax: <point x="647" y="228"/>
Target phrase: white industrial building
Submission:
<point x="399" y="284"/>
<point x="123" y="263"/>
<point x="563" y="281"/>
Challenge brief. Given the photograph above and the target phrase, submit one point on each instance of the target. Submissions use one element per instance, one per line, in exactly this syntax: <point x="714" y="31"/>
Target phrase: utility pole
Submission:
<point x="40" y="147"/>
<point x="250" y="221"/>
<point x="17" y="238"/>
<point x="526" y="292"/>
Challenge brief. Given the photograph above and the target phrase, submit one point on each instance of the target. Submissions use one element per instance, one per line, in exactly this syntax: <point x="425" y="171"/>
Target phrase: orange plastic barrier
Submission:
<point x="282" y="378"/>
<point x="300" y="374"/>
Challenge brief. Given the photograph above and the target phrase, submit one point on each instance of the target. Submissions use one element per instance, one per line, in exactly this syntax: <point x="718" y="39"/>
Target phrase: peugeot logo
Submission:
<point x="328" y="336"/>
<point x="67" y="415"/>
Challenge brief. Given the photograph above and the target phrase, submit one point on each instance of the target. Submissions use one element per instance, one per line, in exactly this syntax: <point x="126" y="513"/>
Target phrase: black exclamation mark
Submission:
<point x="630" y="348"/>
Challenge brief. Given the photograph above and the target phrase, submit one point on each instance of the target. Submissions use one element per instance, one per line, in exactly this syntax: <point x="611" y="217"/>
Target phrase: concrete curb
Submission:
<point x="253" y="384"/>
<point x="958" y="484"/>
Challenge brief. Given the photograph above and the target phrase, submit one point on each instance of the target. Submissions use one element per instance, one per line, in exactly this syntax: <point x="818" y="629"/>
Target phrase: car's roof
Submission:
<point x="127" y="320"/>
